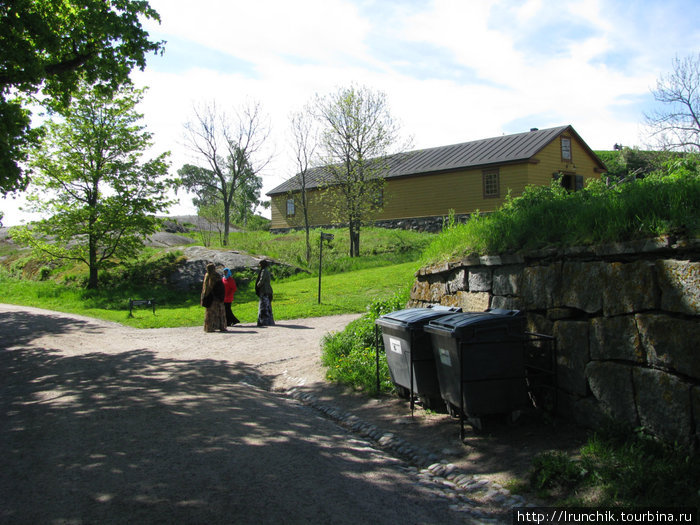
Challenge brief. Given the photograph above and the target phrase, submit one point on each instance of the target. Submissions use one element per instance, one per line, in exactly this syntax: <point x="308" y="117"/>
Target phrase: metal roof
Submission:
<point x="506" y="149"/>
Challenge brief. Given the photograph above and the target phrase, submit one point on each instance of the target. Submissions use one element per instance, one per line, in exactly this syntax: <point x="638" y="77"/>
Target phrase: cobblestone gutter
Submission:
<point x="478" y="499"/>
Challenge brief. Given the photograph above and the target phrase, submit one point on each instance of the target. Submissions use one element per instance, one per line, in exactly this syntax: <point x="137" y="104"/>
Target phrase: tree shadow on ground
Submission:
<point x="502" y="449"/>
<point x="136" y="438"/>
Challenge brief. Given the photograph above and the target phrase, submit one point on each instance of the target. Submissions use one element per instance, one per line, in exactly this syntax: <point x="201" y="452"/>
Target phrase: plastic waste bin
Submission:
<point x="409" y="353"/>
<point x="480" y="362"/>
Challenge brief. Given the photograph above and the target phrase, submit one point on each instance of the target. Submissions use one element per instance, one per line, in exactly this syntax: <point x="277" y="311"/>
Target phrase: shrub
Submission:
<point x="616" y="467"/>
<point x="350" y="355"/>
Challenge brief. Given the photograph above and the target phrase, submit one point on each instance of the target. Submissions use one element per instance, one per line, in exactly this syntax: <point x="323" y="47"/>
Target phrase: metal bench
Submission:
<point x="141" y="302"/>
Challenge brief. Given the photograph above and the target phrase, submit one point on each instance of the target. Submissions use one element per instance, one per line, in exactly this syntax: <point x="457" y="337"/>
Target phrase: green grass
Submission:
<point x="340" y="293"/>
<point x="616" y="468"/>
<point x="379" y="247"/>
<point x="661" y="203"/>
<point x="350" y="355"/>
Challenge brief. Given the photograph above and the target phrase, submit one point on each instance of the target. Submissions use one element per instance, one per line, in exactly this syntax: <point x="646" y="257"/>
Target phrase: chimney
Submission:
<point x="534" y="129"/>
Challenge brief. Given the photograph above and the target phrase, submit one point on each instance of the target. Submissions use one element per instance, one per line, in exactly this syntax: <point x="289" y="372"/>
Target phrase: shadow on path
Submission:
<point x="137" y="438"/>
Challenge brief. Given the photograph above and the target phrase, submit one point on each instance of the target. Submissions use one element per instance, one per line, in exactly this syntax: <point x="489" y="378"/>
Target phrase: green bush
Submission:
<point x="350" y="355"/>
<point x="663" y="202"/>
<point x="617" y="467"/>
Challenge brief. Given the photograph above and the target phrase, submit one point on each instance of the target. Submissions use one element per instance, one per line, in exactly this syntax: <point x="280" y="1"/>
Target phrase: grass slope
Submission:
<point x="348" y="292"/>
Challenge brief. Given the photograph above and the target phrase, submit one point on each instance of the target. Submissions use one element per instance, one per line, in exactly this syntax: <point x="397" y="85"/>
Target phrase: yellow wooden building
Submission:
<point x="423" y="186"/>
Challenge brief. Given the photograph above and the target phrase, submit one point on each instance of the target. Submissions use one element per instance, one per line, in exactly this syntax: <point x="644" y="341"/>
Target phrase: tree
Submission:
<point x="357" y="132"/>
<point x="247" y="197"/>
<point x="677" y="125"/>
<point x="229" y="151"/>
<point x="304" y="148"/>
<point x="92" y="181"/>
<point x="48" y="46"/>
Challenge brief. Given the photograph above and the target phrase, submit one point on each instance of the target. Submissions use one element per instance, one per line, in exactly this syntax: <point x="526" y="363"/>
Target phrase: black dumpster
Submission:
<point x="480" y="362"/>
<point x="409" y="353"/>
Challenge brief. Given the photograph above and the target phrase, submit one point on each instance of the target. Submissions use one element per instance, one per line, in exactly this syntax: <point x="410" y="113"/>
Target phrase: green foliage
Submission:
<point x="663" y="202"/>
<point x="350" y="355"/>
<point x="356" y="135"/>
<point x="101" y="197"/>
<point x="628" y="163"/>
<point x="619" y="468"/>
<point x="294" y="298"/>
<point x="49" y="45"/>
<point x="381" y="247"/>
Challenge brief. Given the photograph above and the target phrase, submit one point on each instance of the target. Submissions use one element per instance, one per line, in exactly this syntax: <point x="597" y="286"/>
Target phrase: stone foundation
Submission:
<point x="625" y="318"/>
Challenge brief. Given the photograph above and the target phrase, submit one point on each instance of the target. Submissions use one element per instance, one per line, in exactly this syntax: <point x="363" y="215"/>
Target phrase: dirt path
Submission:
<point x="102" y="421"/>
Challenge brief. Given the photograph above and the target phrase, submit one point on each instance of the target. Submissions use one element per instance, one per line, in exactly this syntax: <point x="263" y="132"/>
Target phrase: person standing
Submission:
<point x="212" y="298"/>
<point x="230" y="287"/>
<point x="263" y="289"/>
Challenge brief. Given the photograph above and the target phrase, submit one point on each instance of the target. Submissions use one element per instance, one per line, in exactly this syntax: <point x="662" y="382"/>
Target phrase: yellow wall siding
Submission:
<point x="437" y="194"/>
<point x="319" y="211"/>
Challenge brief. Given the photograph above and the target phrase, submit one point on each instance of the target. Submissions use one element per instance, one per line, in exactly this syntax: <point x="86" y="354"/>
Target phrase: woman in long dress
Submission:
<point x="213" y="290"/>
<point x="263" y="289"/>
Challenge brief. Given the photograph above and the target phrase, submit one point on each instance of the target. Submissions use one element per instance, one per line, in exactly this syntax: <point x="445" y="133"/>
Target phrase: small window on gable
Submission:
<point x="290" y="207"/>
<point x="566" y="148"/>
<point x="491" y="184"/>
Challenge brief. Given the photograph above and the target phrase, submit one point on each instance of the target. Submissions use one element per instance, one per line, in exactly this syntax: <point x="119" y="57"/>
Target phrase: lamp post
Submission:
<point x="324" y="237"/>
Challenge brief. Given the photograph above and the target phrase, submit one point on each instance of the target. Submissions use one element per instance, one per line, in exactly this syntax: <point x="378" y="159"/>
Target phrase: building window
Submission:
<point x="290" y="207"/>
<point x="492" y="187"/>
<point x="566" y="149"/>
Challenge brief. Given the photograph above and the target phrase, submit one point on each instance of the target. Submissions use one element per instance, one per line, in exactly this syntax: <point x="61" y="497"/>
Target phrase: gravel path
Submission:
<point x="107" y="424"/>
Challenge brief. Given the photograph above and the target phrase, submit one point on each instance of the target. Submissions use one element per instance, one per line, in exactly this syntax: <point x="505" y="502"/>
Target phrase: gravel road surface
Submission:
<point x="102" y="423"/>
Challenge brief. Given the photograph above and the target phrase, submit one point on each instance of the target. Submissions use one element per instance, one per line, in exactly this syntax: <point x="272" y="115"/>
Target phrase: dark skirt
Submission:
<point x="231" y="319"/>
<point x="265" y="317"/>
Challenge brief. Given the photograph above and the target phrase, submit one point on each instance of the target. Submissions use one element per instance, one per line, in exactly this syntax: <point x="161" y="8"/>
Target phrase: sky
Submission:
<point x="452" y="70"/>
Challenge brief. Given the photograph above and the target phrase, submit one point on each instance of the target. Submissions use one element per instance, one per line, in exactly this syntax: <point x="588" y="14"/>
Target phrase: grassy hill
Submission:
<point x="348" y="284"/>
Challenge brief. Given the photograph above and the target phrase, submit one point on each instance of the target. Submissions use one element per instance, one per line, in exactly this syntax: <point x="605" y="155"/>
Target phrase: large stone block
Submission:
<point x="583" y="287"/>
<point x="506" y="303"/>
<point x="420" y="290"/>
<point x="450" y="300"/>
<point x="616" y="338"/>
<point x="663" y="405"/>
<point x="680" y="286"/>
<point x="572" y="355"/>
<point x="506" y="281"/>
<point x="473" y="302"/>
<point x="480" y="279"/>
<point x="695" y="407"/>
<point x="437" y="290"/>
<point x="456" y="281"/>
<point x="540" y="286"/>
<point x="611" y="384"/>
<point x="629" y="288"/>
<point x="671" y="343"/>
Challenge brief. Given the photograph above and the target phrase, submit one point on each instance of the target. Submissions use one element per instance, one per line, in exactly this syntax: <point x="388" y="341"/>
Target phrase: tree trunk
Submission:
<point x="92" y="255"/>
<point x="307" y="227"/>
<point x="354" y="229"/>
<point x="227" y="215"/>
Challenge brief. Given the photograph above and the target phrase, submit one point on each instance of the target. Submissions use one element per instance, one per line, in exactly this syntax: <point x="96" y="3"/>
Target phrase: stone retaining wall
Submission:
<point x="625" y="317"/>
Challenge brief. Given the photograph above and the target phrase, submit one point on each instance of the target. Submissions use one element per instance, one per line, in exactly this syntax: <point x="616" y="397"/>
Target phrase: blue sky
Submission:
<point x="452" y="70"/>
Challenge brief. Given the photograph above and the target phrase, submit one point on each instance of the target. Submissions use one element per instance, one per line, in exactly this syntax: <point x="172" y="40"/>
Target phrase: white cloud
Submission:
<point x="453" y="70"/>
